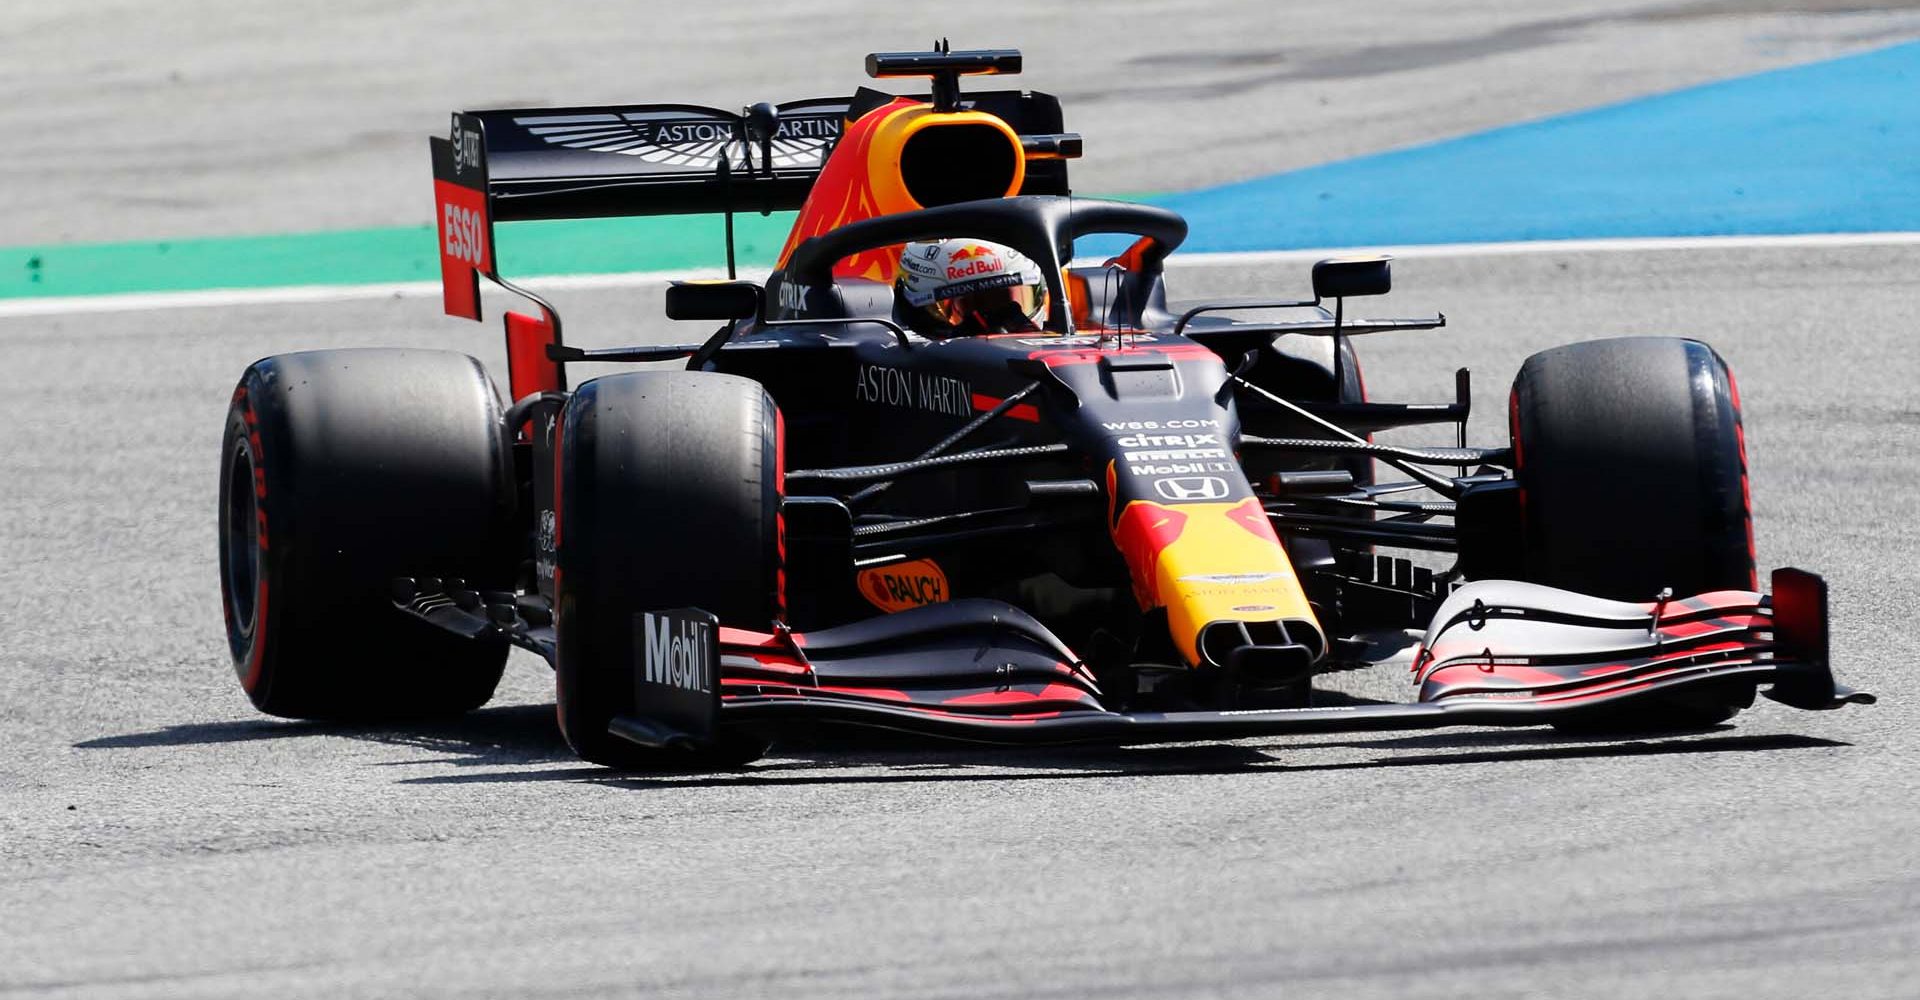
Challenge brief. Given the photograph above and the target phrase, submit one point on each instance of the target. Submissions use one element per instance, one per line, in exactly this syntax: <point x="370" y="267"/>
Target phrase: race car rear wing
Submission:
<point x="663" y="159"/>
<point x="596" y="162"/>
<point x="655" y="159"/>
<point x="669" y="159"/>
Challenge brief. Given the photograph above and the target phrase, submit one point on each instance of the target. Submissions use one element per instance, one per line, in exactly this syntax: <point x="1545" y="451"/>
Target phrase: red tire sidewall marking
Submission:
<point x="779" y="515"/>
<point x="559" y="591"/>
<point x="1746" y="489"/>
<point x="1519" y="455"/>
<point x="254" y="665"/>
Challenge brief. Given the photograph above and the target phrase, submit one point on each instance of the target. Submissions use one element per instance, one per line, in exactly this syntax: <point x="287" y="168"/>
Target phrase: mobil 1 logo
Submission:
<point x="678" y="649"/>
<point x="677" y="679"/>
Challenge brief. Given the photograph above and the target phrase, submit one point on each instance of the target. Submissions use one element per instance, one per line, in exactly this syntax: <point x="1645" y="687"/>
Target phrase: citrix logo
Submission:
<point x="1168" y="440"/>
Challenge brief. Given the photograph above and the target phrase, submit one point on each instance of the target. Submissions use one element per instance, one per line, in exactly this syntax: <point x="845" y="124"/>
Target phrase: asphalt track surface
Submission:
<point x="160" y="839"/>
<point x="133" y="120"/>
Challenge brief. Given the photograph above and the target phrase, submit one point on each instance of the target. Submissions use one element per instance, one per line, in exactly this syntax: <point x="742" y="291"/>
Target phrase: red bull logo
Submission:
<point x="978" y="265"/>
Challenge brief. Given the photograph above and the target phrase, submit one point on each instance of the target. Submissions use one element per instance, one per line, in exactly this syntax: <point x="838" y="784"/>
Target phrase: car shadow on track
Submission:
<point x="496" y="745"/>
<point x="501" y="735"/>
<point x="855" y="761"/>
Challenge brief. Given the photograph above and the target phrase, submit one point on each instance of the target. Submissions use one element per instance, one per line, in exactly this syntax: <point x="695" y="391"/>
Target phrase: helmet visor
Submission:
<point x="1008" y="309"/>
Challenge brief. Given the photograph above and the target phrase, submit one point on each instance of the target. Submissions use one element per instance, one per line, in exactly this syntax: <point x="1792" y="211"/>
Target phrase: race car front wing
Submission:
<point x="1498" y="653"/>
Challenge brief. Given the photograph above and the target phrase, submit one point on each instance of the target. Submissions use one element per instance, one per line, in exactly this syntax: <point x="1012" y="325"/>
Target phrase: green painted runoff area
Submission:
<point x="385" y="255"/>
<point x="393" y="254"/>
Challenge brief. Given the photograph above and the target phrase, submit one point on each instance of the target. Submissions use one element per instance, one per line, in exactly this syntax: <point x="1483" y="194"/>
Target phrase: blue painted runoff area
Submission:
<point x="1829" y="147"/>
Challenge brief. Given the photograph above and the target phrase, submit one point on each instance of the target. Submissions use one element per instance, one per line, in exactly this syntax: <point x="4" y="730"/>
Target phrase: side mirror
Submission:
<point x="713" y="300"/>
<point x="1345" y="277"/>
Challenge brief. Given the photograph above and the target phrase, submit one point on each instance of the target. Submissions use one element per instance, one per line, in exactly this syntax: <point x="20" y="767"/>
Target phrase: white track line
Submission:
<point x="1623" y="245"/>
<point x="226" y="297"/>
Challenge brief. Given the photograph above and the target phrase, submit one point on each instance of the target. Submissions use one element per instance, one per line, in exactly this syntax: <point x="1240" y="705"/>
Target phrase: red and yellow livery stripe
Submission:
<point x="1208" y="562"/>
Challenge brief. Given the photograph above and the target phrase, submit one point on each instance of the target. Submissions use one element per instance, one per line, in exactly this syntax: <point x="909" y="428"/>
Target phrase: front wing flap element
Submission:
<point x="1502" y="641"/>
<point x="1499" y="653"/>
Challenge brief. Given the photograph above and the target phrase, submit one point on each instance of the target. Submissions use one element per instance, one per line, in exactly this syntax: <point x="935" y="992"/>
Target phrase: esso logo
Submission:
<point x="462" y="227"/>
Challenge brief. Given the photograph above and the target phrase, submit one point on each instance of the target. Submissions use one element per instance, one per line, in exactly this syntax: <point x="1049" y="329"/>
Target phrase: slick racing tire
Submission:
<point x="1633" y="478"/>
<point x="341" y="470"/>
<point x="669" y="497"/>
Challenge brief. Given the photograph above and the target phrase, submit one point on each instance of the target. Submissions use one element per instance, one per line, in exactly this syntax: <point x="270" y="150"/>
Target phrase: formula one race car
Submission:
<point x="1072" y="514"/>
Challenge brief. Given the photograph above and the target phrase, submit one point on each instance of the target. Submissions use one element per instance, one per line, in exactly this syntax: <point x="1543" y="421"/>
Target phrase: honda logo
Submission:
<point x="1188" y="488"/>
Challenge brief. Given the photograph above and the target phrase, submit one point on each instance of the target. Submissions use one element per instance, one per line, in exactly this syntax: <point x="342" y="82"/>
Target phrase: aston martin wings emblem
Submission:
<point x="687" y="139"/>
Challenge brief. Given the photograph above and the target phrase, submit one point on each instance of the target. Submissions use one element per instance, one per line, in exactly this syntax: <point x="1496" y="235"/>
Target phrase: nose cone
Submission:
<point x="1214" y="564"/>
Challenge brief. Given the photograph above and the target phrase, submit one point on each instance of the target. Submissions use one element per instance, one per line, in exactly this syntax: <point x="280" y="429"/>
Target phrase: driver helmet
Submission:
<point x="960" y="287"/>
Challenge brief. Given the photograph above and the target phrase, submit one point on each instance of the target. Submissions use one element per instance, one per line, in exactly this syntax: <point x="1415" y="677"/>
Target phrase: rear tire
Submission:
<point x="340" y="471"/>
<point x="669" y="497"/>
<point x="1633" y="475"/>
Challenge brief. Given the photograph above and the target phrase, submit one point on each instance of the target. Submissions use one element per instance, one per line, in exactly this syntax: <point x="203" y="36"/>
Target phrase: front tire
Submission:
<point x="1632" y="468"/>
<point x="340" y="471"/>
<point x="669" y="497"/>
